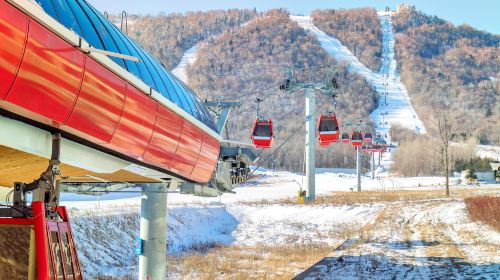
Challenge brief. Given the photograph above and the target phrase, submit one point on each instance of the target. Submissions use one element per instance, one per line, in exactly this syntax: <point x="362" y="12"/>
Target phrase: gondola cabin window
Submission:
<point x="263" y="130"/>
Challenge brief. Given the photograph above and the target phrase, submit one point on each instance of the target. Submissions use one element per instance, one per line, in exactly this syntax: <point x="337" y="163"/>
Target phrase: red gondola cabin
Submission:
<point x="368" y="138"/>
<point x="328" y="129"/>
<point x="262" y="135"/>
<point x="38" y="245"/>
<point x="356" y="139"/>
<point x="345" y="138"/>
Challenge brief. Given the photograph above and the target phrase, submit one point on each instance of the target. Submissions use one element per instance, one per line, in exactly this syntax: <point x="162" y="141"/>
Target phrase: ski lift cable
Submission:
<point x="252" y="93"/>
<point x="279" y="147"/>
<point x="271" y="92"/>
<point x="268" y="88"/>
<point x="251" y="108"/>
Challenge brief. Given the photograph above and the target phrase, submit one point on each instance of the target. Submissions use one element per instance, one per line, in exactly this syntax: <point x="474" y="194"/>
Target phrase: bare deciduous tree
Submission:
<point x="446" y="126"/>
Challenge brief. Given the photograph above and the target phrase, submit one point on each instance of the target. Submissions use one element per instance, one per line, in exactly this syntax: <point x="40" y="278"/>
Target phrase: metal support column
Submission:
<point x="358" y="167"/>
<point x="373" y="165"/>
<point x="153" y="232"/>
<point x="310" y="144"/>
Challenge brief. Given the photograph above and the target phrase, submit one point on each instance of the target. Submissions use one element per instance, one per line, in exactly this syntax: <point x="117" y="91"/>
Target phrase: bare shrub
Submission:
<point x="484" y="209"/>
<point x="415" y="157"/>
<point x="401" y="134"/>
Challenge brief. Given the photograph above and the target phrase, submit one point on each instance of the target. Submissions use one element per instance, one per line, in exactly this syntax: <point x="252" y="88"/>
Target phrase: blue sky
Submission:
<point x="482" y="14"/>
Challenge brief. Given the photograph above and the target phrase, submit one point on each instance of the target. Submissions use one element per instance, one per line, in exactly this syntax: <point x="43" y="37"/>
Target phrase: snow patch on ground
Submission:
<point x="485" y="151"/>
<point x="292" y="224"/>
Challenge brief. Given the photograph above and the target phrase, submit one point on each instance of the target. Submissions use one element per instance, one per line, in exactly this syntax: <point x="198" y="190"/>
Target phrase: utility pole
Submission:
<point x="373" y="165"/>
<point x="358" y="126"/>
<point x="153" y="228"/>
<point x="358" y="166"/>
<point x="310" y="144"/>
<point x="385" y="90"/>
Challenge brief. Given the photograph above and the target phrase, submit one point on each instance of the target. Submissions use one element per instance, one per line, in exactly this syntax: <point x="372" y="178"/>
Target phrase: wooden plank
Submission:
<point x="18" y="166"/>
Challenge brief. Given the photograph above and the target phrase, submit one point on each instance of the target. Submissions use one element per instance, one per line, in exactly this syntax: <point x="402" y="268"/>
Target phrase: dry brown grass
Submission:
<point x="351" y="198"/>
<point x="249" y="262"/>
<point x="485" y="209"/>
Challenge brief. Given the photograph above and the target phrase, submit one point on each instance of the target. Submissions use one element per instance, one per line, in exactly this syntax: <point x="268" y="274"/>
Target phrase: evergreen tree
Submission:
<point x="471" y="176"/>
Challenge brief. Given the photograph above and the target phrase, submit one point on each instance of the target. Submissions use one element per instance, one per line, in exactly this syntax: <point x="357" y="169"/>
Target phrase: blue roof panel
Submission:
<point x="82" y="18"/>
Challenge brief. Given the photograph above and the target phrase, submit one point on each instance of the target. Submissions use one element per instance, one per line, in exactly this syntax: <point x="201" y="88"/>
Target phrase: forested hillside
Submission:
<point x="358" y="29"/>
<point x="241" y="62"/>
<point x="448" y="66"/>
<point x="168" y="36"/>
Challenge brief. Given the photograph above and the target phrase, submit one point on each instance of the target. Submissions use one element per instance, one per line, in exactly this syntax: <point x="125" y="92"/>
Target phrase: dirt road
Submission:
<point x="431" y="239"/>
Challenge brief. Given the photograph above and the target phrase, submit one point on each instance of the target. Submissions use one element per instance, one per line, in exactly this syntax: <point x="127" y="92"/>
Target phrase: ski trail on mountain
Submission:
<point x="188" y="58"/>
<point x="396" y="107"/>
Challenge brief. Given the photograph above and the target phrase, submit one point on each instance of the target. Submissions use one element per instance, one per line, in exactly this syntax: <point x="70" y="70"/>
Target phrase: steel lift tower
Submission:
<point x="311" y="85"/>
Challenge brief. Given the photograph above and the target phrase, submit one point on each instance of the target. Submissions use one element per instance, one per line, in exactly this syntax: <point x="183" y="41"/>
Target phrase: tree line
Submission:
<point x="168" y="36"/>
<point x="448" y="66"/>
<point x="358" y="29"/>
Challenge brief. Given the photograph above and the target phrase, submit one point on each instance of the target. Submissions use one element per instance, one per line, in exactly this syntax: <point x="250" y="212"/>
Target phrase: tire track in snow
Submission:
<point x="410" y="240"/>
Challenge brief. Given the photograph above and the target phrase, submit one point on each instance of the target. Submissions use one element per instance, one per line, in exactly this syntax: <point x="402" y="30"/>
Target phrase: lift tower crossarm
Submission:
<point x="222" y="110"/>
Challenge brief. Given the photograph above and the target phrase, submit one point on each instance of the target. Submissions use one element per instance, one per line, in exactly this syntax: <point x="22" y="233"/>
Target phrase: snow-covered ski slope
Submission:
<point x="188" y="58"/>
<point x="398" y="108"/>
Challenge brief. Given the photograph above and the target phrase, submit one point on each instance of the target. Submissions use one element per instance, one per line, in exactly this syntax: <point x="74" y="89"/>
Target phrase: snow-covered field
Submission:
<point x="108" y="222"/>
<point x="105" y="227"/>
<point x="108" y="225"/>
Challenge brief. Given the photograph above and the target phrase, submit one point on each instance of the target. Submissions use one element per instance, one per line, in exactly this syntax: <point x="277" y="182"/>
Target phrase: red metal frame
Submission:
<point x="63" y="227"/>
<point x="51" y="71"/>
<point x="41" y="245"/>
<point x="13" y="34"/>
<point x="42" y="230"/>
<point x="58" y="85"/>
<point x="262" y="141"/>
